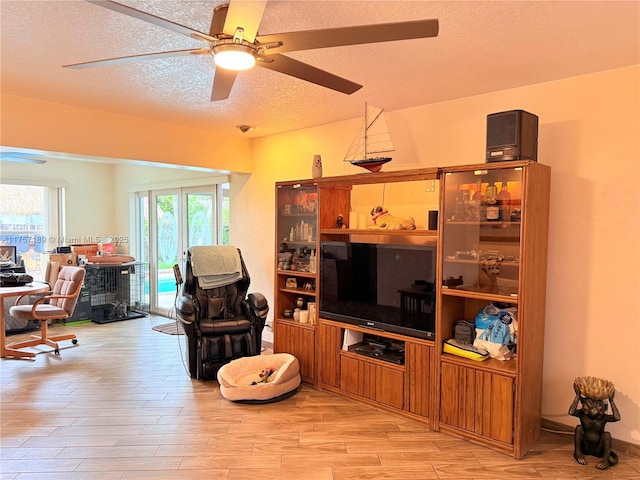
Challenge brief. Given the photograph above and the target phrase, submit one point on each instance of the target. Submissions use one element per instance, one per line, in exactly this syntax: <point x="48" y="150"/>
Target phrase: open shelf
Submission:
<point x="378" y="231"/>
<point x="299" y="291"/>
<point x="489" y="297"/>
<point x="296" y="273"/>
<point x="506" y="367"/>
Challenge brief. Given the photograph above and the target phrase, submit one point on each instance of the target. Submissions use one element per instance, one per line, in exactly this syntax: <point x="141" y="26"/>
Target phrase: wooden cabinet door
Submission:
<point x="419" y="364"/>
<point x="299" y="342"/>
<point x="372" y="381"/>
<point x="329" y="355"/>
<point x="477" y="401"/>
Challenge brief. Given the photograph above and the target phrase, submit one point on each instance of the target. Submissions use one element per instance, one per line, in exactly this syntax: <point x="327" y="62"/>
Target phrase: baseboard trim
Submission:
<point x="620" y="446"/>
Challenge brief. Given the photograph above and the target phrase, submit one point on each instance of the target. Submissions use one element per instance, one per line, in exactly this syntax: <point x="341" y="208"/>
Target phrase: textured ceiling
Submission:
<point x="483" y="46"/>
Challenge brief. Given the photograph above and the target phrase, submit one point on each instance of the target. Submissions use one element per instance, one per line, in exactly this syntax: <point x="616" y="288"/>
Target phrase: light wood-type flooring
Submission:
<point x="119" y="405"/>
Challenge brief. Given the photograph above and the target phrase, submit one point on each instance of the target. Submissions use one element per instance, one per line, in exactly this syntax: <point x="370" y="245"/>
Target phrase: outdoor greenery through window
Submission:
<point x="169" y="221"/>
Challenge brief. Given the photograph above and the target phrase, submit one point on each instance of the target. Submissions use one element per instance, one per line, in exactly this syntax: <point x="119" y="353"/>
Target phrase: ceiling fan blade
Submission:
<point x="222" y="84"/>
<point x="337" y="37"/>
<point x="135" y="58"/>
<point x="246" y="15"/>
<point x="147" y="17"/>
<point x="304" y="71"/>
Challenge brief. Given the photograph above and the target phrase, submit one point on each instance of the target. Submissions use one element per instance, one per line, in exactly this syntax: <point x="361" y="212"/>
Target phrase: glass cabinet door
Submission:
<point x="481" y="231"/>
<point x="297" y="227"/>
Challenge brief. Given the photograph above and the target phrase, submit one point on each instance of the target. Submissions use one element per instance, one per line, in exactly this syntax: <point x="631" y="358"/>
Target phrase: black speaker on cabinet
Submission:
<point x="433" y="220"/>
<point x="512" y="135"/>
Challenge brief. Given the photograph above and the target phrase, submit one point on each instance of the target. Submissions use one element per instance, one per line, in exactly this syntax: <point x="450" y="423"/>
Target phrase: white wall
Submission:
<point x="589" y="136"/>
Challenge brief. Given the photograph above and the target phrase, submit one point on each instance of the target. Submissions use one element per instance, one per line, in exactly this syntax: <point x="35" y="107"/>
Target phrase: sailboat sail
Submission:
<point x="373" y="142"/>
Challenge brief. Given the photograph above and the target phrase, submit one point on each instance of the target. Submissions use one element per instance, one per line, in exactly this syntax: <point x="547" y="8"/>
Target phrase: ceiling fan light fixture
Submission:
<point x="233" y="56"/>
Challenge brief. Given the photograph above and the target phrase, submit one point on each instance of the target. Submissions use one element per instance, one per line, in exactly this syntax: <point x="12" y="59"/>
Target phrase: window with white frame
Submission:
<point x="31" y="219"/>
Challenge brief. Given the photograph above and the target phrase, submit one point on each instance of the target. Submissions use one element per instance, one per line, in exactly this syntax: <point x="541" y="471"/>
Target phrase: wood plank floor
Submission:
<point x="120" y="406"/>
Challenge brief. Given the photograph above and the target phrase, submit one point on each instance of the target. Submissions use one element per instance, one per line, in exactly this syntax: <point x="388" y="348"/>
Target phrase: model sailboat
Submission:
<point x="372" y="145"/>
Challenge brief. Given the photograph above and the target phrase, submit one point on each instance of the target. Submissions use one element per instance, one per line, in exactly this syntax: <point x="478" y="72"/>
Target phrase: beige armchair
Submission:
<point x="57" y="304"/>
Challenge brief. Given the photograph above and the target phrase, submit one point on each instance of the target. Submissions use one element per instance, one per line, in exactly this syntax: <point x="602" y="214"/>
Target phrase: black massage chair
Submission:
<point x="220" y="323"/>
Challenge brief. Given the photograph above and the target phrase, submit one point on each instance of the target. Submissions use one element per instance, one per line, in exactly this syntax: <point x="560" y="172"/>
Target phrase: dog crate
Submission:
<point x="118" y="291"/>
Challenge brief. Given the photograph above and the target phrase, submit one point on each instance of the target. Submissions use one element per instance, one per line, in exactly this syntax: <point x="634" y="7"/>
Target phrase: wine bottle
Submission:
<point x="504" y="202"/>
<point x="480" y="202"/>
<point x="466" y="205"/>
<point x="493" y="210"/>
<point x="458" y="211"/>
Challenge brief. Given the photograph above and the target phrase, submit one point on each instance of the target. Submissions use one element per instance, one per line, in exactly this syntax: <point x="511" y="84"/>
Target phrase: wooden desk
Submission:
<point x="5" y="292"/>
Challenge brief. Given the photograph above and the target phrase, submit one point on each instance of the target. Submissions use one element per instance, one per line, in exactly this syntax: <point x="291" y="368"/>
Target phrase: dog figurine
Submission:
<point x="384" y="220"/>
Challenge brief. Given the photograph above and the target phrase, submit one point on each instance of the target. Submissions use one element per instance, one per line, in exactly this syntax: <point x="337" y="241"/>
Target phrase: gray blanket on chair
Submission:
<point x="215" y="265"/>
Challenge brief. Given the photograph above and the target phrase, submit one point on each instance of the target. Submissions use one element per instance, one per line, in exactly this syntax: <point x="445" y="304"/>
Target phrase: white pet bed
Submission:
<point x="260" y="378"/>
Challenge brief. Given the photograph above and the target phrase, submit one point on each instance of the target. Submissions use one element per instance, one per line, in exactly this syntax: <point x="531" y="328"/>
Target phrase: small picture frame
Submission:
<point x="311" y="306"/>
<point x="291" y="283"/>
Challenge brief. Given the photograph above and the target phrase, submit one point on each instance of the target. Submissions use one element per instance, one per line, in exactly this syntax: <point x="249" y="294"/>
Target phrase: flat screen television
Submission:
<point x="383" y="287"/>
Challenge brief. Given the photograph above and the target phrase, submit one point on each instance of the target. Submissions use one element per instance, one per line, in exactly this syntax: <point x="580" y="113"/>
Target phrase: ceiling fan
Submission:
<point x="234" y="42"/>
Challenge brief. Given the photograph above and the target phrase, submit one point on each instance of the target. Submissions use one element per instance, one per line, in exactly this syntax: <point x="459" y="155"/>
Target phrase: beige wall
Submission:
<point x="37" y="124"/>
<point x="588" y="135"/>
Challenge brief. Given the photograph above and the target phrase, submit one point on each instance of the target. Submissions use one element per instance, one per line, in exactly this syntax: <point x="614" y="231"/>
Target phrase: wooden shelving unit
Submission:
<point x="493" y="403"/>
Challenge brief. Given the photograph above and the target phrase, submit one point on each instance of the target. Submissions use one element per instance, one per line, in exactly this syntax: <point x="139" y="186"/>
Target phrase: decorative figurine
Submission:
<point x="340" y="221"/>
<point x="590" y="437"/>
<point x="316" y="167"/>
<point x="382" y="219"/>
<point x="488" y="275"/>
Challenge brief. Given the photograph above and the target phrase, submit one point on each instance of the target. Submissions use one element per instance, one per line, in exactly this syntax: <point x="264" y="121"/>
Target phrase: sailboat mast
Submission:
<point x="366" y="127"/>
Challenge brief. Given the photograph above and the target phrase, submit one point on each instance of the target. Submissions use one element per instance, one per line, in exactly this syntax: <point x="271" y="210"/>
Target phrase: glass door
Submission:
<point x="166" y="244"/>
<point x="180" y="218"/>
<point x="170" y="221"/>
<point x="481" y="231"/>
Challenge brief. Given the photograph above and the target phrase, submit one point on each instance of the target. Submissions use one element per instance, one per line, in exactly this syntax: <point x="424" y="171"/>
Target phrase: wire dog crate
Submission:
<point x="118" y="291"/>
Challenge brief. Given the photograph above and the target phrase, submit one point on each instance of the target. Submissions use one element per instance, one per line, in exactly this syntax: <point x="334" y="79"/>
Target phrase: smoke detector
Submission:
<point x="245" y="128"/>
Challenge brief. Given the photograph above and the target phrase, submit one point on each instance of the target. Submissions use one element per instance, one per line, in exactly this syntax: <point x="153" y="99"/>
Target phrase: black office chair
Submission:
<point x="221" y="323"/>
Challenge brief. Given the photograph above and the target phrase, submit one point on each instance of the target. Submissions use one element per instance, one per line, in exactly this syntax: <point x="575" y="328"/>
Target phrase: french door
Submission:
<point x="177" y="219"/>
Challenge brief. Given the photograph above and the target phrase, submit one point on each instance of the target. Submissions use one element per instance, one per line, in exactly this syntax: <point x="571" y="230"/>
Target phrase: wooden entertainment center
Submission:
<point x="490" y="248"/>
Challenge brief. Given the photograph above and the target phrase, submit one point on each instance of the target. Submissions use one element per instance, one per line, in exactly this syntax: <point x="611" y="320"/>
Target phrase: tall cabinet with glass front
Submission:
<point x="493" y="251"/>
<point x="296" y="268"/>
